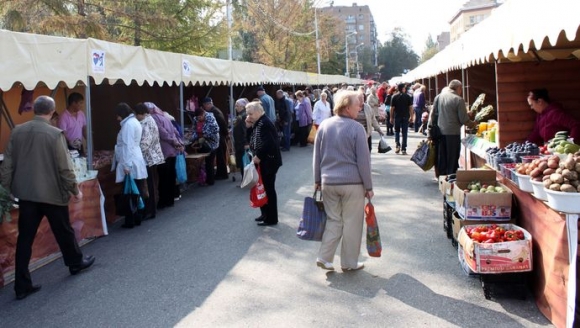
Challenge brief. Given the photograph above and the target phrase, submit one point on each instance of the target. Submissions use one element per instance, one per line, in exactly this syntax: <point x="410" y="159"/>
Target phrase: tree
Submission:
<point x="396" y="56"/>
<point x="185" y="26"/>
<point x="431" y="49"/>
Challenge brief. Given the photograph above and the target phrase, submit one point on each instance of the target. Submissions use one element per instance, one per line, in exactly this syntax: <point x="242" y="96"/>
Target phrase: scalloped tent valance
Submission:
<point x="511" y="32"/>
<point x="32" y="59"/>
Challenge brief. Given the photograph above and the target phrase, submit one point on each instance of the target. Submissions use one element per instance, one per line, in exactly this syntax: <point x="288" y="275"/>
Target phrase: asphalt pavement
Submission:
<point x="205" y="263"/>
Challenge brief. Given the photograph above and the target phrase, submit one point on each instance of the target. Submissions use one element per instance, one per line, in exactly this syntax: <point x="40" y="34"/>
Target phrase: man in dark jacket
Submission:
<point x="401" y="115"/>
<point x="284" y="107"/>
<point x="221" y="160"/>
<point x="38" y="171"/>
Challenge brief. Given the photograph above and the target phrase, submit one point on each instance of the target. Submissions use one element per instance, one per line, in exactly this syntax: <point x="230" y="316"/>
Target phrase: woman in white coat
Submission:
<point x="321" y="110"/>
<point x="129" y="158"/>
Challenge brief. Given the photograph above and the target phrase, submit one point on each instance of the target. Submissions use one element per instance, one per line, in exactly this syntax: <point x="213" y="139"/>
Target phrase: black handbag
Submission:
<point x="433" y="131"/>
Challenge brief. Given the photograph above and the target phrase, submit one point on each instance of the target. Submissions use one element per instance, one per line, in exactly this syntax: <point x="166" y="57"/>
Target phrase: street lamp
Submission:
<point x="317" y="42"/>
<point x="346" y="54"/>
<point x="356" y="59"/>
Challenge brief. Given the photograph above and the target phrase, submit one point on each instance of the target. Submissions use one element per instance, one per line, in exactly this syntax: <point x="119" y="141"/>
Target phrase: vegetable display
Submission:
<point x="489" y="234"/>
<point x="556" y="174"/>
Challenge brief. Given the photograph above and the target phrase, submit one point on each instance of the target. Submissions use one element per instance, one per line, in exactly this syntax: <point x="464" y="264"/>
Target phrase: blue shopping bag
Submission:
<point x="313" y="221"/>
<point x="180" y="168"/>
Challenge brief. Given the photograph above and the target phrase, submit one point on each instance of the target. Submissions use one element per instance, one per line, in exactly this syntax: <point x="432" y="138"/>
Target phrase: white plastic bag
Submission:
<point x="383" y="146"/>
<point x="250" y="176"/>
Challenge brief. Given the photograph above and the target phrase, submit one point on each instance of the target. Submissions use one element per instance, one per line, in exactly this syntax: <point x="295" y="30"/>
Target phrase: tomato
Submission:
<point x="476" y="236"/>
<point x="489" y="241"/>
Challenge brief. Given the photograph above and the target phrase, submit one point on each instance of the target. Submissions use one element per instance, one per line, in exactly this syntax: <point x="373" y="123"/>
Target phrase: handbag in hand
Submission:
<point x="127" y="203"/>
<point x="313" y="221"/>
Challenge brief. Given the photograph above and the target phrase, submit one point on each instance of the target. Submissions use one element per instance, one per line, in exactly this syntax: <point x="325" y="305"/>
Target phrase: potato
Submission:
<point x="557" y="178"/>
<point x="535" y="173"/>
<point x="547" y="183"/>
<point x="567" y="188"/>
<point x="555" y="187"/>
<point x="559" y="170"/>
<point x="575" y="183"/>
<point x="570" y="175"/>
<point x="542" y="166"/>
<point x="553" y="164"/>
<point x="577" y="167"/>
<point x="548" y="171"/>
<point x="578" y="188"/>
<point x="569" y="163"/>
<point x="546" y="177"/>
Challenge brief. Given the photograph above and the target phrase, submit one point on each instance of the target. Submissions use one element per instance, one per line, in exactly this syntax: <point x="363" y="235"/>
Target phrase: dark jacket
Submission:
<point x="37" y="166"/>
<point x="284" y="107"/>
<point x="240" y="131"/>
<point x="221" y="121"/>
<point x="264" y="144"/>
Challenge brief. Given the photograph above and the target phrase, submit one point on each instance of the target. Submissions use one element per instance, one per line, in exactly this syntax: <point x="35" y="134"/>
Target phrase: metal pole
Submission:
<point x="181" y="107"/>
<point x="347" y="73"/>
<point x="317" y="42"/>
<point x="231" y="56"/>
<point x="89" y="124"/>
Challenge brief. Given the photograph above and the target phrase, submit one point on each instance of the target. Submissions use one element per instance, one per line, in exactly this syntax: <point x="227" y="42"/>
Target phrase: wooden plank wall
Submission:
<point x="515" y="80"/>
<point x="481" y="79"/>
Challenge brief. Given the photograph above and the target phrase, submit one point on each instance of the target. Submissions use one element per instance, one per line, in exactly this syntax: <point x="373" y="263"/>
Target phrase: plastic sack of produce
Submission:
<point x="180" y="168"/>
<point x="374" y="246"/>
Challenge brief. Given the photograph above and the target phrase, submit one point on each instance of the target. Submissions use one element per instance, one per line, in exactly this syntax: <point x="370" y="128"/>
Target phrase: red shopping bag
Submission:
<point x="374" y="246"/>
<point x="258" y="197"/>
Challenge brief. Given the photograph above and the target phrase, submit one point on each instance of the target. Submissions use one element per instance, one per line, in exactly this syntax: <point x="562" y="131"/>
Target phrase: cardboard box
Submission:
<point x="481" y="206"/>
<point x="445" y="187"/>
<point x="509" y="256"/>
<point x="459" y="223"/>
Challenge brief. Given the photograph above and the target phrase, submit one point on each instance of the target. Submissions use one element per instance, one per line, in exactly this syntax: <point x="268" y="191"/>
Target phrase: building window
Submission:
<point x="361" y="27"/>
<point x="361" y="16"/>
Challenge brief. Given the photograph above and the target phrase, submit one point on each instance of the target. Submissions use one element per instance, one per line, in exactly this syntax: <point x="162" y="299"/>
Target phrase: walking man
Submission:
<point x="401" y="115"/>
<point x="38" y="171"/>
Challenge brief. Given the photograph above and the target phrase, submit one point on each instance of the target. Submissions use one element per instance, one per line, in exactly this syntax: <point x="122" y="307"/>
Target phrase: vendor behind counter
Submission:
<point x="550" y="119"/>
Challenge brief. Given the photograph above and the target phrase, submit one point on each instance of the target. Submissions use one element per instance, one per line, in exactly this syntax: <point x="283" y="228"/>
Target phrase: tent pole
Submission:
<point x="181" y="108"/>
<point x="89" y="123"/>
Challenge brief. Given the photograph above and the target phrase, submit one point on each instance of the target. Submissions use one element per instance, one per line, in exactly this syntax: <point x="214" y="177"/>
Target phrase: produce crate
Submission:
<point x="457" y="223"/>
<point x="495" y="258"/>
<point x="481" y="206"/>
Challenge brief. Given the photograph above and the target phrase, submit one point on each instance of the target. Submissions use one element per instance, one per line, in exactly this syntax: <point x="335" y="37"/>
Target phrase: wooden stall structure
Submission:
<point x="505" y="61"/>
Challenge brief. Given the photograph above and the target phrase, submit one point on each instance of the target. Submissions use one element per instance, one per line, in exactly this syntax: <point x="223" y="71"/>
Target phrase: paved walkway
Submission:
<point x="205" y="263"/>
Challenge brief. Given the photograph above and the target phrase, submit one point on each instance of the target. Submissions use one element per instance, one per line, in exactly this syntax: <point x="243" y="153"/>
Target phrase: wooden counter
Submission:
<point x="551" y="251"/>
<point x="87" y="219"/>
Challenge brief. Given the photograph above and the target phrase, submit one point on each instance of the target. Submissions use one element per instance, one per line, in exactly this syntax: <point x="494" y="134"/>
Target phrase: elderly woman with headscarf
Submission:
<point x="128" y="157"/>
<point x="240" y="133"/>
<point x="206" y="135"/>
<point x="266" y="149"/>
<point x="171" y="145"/>
<point x="342" y="170"/>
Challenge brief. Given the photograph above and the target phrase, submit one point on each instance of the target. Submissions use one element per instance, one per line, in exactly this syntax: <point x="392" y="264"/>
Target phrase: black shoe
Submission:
<point x="260" y="218"/>
<point x="85" y="263"/>
<point x="33" y="289"/>
<point x="267" y="223"/>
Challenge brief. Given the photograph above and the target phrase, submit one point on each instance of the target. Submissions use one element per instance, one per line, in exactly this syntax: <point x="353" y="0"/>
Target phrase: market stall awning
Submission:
<point x="517" y="30"/>
<point x="32" y="59"/>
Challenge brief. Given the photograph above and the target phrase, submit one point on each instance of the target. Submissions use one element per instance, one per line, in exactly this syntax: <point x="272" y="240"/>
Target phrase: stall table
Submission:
<point x="87" y="219"/>
<point x="555" y="241"/>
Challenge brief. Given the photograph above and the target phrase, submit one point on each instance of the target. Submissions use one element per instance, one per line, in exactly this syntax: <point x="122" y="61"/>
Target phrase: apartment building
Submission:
<point x="471" y="13"/>
<point x="357" y="19"/>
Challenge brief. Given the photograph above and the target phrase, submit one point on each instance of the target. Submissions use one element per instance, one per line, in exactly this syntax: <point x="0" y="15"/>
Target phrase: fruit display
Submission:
<point x="560" y="144"/>
<point x="476" y="186"/>
<point x="489" y="234"/>
<point x="512" y="153"/>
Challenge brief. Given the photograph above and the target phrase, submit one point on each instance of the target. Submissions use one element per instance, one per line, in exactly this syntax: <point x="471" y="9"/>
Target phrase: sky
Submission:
<point x="418" y="18"/>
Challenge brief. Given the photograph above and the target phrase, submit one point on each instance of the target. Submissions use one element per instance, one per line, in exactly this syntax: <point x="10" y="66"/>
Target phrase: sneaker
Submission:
<point x="397" y="150"/>
<point x="324" y="265"/>
<point x="404" y="152"/>
<point x="359" y="266"/>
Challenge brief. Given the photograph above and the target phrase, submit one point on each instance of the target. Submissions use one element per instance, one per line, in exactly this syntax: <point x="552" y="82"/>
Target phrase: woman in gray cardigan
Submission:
<point x="342" y="169"/>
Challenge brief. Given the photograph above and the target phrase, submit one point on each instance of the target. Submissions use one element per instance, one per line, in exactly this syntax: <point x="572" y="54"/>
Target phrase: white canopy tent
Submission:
<point x="517" y="30"/>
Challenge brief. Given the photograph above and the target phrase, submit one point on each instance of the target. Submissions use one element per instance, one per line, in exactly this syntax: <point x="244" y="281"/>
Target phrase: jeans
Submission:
<point x="418" y="113"/>
<point x="287" y="130"/>
<point x="401" y="123"/>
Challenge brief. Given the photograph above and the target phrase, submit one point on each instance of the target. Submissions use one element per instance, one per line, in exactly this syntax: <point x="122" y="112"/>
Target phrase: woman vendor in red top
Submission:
<point x="550" y="119"/>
